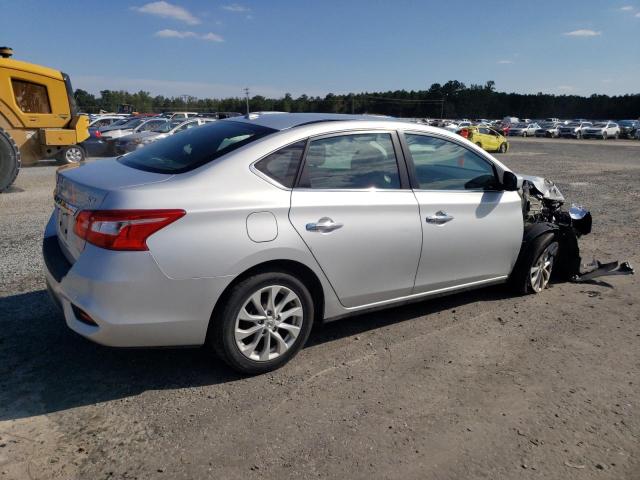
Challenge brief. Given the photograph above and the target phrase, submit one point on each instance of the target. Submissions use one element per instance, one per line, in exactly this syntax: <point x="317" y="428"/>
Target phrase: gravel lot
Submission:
<point x="478" y="385"/>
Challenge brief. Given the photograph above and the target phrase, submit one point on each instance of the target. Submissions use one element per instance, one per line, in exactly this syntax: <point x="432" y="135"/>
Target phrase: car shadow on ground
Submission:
<point x="45" y="367"/>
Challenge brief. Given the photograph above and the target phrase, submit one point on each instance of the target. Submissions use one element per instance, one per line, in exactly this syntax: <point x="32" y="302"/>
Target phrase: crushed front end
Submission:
<point x="542" y="209"/>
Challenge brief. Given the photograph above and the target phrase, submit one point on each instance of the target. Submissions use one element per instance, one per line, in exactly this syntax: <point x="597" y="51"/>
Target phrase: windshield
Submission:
<point x="574" y="124"/>
<point x="600" y="125"/>
<point x="194" y="147"/>
<point x="548" y="125"/>
<point x="167" y="126"/>
<point x="520" y="125"/>
<point x="131" y="123"/>
<point x="626" y="123"/>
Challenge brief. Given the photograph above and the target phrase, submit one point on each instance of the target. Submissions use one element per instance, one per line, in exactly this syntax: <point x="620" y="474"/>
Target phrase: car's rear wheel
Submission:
<point x="265" y="321"/>
<point x="72" y="154"/>
<point x="9" y="160"/>
<point x="534" y="267"/>
<point x="503" y="148"/>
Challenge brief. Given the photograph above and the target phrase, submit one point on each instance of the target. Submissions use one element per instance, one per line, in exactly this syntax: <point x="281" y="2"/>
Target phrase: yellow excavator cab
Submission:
<point x="38" y="117"/>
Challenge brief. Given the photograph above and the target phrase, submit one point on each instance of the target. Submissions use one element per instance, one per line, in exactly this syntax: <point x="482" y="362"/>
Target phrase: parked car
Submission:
<point x="104" y="121"/>
<point x="523" y="129"/>
<point x="109" y="135"/>
<point x="486" y="138"/>
<point x="548" y="130"/>
<point x="602" y="130"/>
<point x="574" y="129"/>
<point x="132" y="142"/>
<point x="242" y="233"/>
<point x="179" y="115"/>
<point x="628" y="128"/>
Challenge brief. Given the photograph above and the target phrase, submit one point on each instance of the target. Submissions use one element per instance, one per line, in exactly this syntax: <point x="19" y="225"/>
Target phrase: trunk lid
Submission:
<point x="85" y="187"/>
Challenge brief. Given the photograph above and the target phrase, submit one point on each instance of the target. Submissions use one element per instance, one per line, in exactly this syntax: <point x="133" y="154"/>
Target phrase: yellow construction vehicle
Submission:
<point x="38" y="118"/>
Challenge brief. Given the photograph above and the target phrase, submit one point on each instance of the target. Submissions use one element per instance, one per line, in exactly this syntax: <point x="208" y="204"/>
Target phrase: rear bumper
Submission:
<point x="132" y="302"/>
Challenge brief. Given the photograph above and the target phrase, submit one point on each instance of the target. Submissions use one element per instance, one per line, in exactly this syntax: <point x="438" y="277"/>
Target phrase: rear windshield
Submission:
<point x="194" y="147"/>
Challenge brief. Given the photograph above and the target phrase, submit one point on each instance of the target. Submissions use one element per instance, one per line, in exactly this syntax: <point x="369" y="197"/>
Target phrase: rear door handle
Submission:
<point x="439" y="218"/>
<point x="324" y="225"/>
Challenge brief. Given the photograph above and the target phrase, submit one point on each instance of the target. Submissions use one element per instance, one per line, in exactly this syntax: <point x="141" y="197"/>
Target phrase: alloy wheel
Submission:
<point x="268" y="323"/>
<point x="541" y="270"/>
<point x="73" y="155"/>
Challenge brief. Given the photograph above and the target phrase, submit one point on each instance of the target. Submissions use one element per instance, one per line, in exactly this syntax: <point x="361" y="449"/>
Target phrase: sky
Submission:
<point x="213" y="48"/>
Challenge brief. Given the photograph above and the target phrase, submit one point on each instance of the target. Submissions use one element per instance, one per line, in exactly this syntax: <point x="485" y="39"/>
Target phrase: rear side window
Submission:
<point x="194" y="147"/>
<point x="359" y="161"/>
<point x="31" y="97"/>
<point x="444" y="165"/>
<point x="282" y="165"/>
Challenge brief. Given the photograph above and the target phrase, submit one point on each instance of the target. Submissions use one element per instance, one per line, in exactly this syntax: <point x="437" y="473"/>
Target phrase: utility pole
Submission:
<point x="246" y="93"/>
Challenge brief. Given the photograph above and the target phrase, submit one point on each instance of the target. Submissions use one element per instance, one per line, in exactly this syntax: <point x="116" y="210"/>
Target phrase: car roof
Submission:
<point x="283" y="121"/>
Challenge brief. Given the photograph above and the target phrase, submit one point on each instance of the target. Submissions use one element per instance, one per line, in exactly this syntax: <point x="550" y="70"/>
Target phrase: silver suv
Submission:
<point x="242" y="233"/>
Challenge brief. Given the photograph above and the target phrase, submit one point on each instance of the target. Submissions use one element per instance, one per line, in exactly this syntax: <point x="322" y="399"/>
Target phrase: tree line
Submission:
<point x="453" y="99"/>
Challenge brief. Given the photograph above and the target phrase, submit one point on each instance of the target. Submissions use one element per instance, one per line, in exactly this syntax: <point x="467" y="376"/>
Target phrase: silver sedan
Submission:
<point x="240" y="234"/>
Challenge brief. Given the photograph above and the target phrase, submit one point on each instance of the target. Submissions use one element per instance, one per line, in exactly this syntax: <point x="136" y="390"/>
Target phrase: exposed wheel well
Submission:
<point x="297" y="269"/>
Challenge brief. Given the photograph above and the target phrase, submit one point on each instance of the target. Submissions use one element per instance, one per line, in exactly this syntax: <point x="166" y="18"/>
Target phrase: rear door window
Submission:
<point x="358" y="161"/>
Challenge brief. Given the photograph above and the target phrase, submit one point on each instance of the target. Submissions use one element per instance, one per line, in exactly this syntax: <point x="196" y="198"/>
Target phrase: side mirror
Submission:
<point x="509" y="181"/>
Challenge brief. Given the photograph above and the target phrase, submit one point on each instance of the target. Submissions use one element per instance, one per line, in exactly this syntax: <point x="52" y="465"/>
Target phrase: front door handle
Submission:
<point x="324" y="225"/>
<point x="440" y="218"/>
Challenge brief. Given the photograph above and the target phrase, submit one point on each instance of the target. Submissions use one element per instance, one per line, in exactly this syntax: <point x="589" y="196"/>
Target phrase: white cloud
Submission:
<point x="174" y="34"/>
<point x="638" y="15"/>
<point x="236" y="8"/>
<point x="167" y="10"/>
<point x="505" y="62"/>
<point x="210" y="37"/>
<point x="565" y="88"/>
<point x="627" y="8"/>
<point x="583" y="32"/>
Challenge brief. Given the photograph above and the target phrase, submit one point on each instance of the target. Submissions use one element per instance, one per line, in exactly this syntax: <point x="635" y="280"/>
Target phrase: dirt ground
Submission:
<point x="477" y="385"/>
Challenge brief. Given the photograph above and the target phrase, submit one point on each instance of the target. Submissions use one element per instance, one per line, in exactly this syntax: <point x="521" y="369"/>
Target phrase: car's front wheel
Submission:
<point x="265" y="321"/>
<point x="503" y="148"/>
<point x="534" y="267"/>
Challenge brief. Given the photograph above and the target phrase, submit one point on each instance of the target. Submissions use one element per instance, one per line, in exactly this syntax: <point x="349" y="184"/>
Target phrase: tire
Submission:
<point x="71" y="155"/>
<point x="522" y="279"/>
<point x="9" y="160"/>
<point x="616" y="136"/>
<point x="578" y="135"/>
<point x="503" y="148"/>
<point x="605" y="136"/>
<point x="238" y="303"/>
<point x="524" y="134"/>
<point x="479" y="144"/>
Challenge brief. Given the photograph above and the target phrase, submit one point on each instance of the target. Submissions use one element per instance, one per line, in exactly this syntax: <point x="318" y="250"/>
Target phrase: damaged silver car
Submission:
<point x="241" y="234"/>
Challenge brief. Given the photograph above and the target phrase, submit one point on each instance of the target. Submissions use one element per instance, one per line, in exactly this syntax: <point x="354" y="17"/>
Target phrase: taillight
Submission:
<point x="464" y="133"/>
<point x="122" y="229"/>
<point x="98" y="134"/>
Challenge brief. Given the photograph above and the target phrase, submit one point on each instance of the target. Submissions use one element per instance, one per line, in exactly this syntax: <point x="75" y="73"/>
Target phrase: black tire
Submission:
<point x="520" y="279"/>
<point x="71" y="155"/>
<point x="9" y="160"/>
<point x="605" y="136"/>
<point x="578" y="135"/>
<point x="221" y="337"/>
<point x="524" y="134"/>
<point x="503" y="148"/>
<point x="479" y="144"/>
